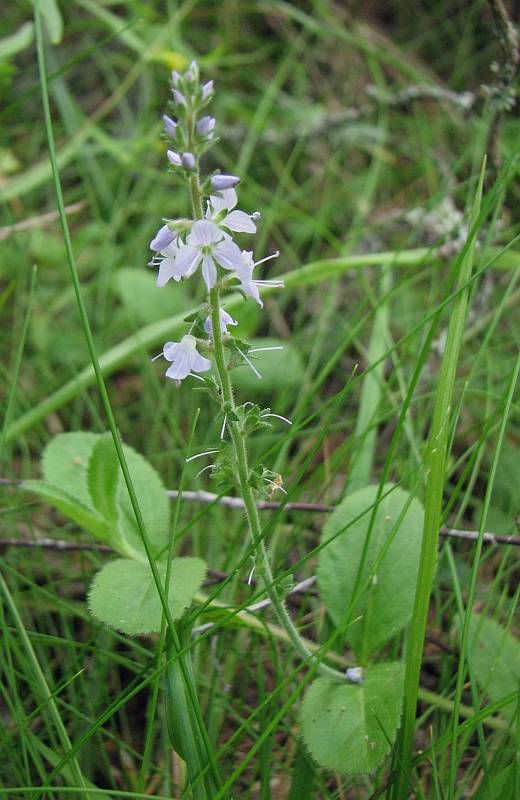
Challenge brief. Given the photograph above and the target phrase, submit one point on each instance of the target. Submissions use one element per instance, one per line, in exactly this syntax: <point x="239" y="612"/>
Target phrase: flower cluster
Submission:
<point x="182" y="246"/>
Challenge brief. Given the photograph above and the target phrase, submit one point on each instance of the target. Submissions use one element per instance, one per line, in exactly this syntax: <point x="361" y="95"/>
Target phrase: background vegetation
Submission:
<point x="359" y="134"/>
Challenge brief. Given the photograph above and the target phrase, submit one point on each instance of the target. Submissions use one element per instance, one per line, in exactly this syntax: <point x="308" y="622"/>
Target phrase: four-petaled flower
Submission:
<point x="206" y="243"/>
<point x="185" y="358"/>
<point x="225" y="320"/>
<point x="220" y="210"/>
<point x="166" y="262"/>
<point x="244" y="273"/>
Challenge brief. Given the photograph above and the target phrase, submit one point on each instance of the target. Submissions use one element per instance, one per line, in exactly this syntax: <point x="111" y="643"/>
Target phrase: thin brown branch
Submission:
<point x="39" y="221"/>
<point x="265" y="505"/>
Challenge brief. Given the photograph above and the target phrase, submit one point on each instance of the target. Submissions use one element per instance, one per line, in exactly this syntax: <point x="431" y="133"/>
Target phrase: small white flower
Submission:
<point x="205" y="243"/>
<point x="225" y="320"/>
<point x="244" y="273"/>
<point x="167" y="263"/>
<point x="185" y="358"/>
<point x="220" y="211"/>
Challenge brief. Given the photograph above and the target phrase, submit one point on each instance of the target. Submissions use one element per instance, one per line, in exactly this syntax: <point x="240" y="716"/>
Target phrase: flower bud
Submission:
<point x="221" y="182"/>
<point x="169" y="125"/>
<point x="207" y="90"/>
<point x="205" y="125"/>
<point x="179" y="98"/>
<point x="192" y="73"/>
<point x="188" y="161"/>
<point x="163" y="238"/>
<point x="174" y="158"/>
<point x="175" y="77"/>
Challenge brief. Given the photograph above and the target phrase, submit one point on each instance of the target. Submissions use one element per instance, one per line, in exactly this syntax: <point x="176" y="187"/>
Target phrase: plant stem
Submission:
<point x="240" y="452"/>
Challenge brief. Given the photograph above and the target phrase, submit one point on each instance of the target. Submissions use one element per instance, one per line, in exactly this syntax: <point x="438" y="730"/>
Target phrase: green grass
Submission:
<point x="397" y="345"/>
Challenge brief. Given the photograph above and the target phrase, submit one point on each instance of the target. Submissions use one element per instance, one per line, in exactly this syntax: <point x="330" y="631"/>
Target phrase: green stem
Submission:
<point x="255" y="529"/>
<point x="240" y="452"/>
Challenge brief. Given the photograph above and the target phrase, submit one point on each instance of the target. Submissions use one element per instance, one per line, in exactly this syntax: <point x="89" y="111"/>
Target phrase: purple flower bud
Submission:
<point x="175" y="77"/>
<point x="174" y="158"/>
<point x="207" y="90"/>
<point x="179" y="97"/>
<point x="169" y="125"/>
<point x="192" y="73"/>
<point x="188" y="161"/>
<point x="205" y="125"/>
<point x="221" y="182"/>
<point x="162" y="239"/>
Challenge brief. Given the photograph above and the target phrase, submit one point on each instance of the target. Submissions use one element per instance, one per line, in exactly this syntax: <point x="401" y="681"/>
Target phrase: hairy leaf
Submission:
<point x="71" y="507"/>
<point x="349" y="728"/>
<point x="103" y="477"/>
<point x="65" y="461"/>
<point x="124" y="595"/>
<point x="390" y="565"/>
<point x="153" y="503"/>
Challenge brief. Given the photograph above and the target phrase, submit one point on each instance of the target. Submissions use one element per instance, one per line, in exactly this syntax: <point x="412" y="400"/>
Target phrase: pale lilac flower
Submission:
<point x="174" y="158"/>
<point x="220" y="182"/>
<point x="175" y="77"/>
<point x="225" y="320"/>
<point x="205" y="243"/>
<point x="179" y="98"/>
<point x="167" y="264"/>
<point x="244" y="273"/>
<point x="185" y="358"/>
<point x="205" y="125"/>
<point x="207" y="90"/>
<point x="169" y="125"/>
<point x="237" y="221"/>
<point x="188" y="161"/>
<point x="162" y="238"/>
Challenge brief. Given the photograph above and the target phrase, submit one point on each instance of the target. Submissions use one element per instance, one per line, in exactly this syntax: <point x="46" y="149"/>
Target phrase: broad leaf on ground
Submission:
<point x="124" y="596"/>
<point x="391" y="560"/>
<point x="494" y="658"/>
<point x="65" y="461"/>
<point x="72" y="508"/>
<point x="103" y="477"/>
<point x="348" y="727"/>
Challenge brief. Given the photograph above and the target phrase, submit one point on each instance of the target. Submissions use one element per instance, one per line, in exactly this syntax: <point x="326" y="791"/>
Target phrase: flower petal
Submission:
<point x="203" y="232"/>
<point x="229" y="255"/>
<point x="209" y="271"/>
<point x="170" y="350"/>
<point x="239" y="222"/>
<point x="199" y="363"/>
<point x="181" y="365"/>
<point x="224" y="201"/>
<point x="187" y="260"/>
<point x="167" y="270"/>
<point x="162" y="238"/>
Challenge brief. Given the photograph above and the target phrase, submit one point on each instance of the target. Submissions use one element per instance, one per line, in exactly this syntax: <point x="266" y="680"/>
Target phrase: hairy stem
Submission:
<point x="240" y="452"/>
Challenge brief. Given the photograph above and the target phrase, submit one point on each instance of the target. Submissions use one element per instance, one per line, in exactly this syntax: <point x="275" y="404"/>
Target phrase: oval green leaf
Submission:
<point x="124" y="595"/>
<point x="349" y="728"/>
<point x="388" y="566"/>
